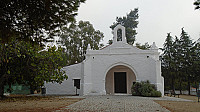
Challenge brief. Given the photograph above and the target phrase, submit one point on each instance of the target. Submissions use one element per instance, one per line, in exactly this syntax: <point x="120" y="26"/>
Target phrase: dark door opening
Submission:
<point x="120" y="82"/>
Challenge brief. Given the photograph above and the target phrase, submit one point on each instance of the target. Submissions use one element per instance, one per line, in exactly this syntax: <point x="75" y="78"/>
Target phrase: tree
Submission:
<point x="167" y="61"/>
<point x="195" y="64"/>
<point x="110" y="42"/>
<point x="130" y="22"/>
<point x="177" y="63"/>
<point x="186" y="44"/>
<point x="197" y="4"/>
<point x="24" y="26"/>
<point x="22" y="63"/>
<point x="47" y="66"/>
<point x="146" y="46"/>
<point x="76" y="39"/>
<point x="181" y="64"/>
<point x="35" y="20"/>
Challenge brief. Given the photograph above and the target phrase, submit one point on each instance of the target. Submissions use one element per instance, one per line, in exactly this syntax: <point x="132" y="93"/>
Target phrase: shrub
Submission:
<point x="144" y="88"/>
<point x="156" y="94"/>
<point x="135" y="89"/>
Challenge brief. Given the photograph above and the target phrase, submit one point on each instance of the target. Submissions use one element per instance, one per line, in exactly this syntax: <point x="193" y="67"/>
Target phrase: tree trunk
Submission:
<point x="188" y="87"/>
<point x="2" y="82"/>
<point x="172" y="81"/>
<point x="1" y="89"/>
<point x="180" y="85"/>
<point x="1" y="92"/>
<point x="173" y="84"/>
<point x="32" y="89"/>
<point x="196" y="86"/>
<point x="188" y="82"/>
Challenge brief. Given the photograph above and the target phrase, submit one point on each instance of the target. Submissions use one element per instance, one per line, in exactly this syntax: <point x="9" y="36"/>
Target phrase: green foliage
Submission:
<point x="130" y="22"/>
<point x="35" y="20"/>
<point x="197" y="4"/>
<point x="24" y="63"/>
<point x="76" y="39"/>
<point x="24" y="27"/>
<point x="135" y="89"/>
<point x="167" y="60"/>
<point x="146" y="46"/>
<point x="180" y="62"/>
<point x="110" y="42"/>
<point x="156" y="93"/>
<point x="146" y="89"/>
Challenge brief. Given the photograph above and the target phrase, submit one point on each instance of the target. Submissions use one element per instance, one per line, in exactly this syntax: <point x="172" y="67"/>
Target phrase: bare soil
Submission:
<point x="35" y="104"/>
<point x="181" y="106"/>
<point x="52" y="103"/>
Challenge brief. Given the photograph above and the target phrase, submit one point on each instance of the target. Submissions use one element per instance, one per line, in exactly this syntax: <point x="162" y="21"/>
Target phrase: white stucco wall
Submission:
<point x="67" y="86"/>
<point x="144" y="63"/>
<point x="98" y="63"/>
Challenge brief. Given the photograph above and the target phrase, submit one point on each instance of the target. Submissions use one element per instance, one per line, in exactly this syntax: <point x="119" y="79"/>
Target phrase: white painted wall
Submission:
<point x="99" y="61"/>
<point x="144" y="63"/>
<point x="67" y="86"/>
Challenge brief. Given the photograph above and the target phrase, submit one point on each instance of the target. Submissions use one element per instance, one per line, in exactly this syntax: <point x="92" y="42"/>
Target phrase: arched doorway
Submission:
<point x="119" y="79"/>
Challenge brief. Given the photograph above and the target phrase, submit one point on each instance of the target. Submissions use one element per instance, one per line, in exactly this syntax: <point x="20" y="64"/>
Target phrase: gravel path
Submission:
<point x="122" y="103"/>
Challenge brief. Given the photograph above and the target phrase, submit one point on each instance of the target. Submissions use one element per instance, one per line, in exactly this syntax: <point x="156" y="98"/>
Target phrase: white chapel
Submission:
<point x="111" y="70"/>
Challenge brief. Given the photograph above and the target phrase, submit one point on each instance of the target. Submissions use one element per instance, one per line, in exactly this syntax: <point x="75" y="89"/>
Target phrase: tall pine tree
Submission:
<point x="167" y="61"/>
<point x="185" y="46"/>
<point x="130" y="22"/>
<point x="177" y="61"/>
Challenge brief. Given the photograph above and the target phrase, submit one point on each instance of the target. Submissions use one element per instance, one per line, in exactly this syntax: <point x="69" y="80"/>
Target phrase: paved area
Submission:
<point x="118" y="104"/>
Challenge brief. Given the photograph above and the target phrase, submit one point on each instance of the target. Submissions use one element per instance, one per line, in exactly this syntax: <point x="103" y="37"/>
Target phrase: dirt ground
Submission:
<point x="35" y="104"/>
<point x="180" y="106"/>
<point x="52" y="103"/>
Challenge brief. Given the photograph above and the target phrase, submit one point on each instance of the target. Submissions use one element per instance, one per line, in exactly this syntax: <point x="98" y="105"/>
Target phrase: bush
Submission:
<point x="144" y="88"/>
<point x="135" y="89"/>
<point x="156" y="94"/>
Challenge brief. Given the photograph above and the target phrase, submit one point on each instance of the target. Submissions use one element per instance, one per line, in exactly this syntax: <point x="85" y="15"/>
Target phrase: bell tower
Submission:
<point x="119" y="34"/>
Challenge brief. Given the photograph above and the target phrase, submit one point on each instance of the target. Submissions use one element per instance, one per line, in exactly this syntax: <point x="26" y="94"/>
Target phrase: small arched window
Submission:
<point x="119" y="35"/>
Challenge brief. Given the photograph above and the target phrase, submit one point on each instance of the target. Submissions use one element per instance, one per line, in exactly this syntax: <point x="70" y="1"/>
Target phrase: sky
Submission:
<point x="156" y="18"/>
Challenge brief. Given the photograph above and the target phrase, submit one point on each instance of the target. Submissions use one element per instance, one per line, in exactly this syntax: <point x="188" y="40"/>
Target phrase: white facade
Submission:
<point x="97" y="71"/>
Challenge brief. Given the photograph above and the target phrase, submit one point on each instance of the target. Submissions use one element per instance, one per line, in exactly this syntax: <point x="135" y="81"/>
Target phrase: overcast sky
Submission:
<point x="156" y="17"/>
